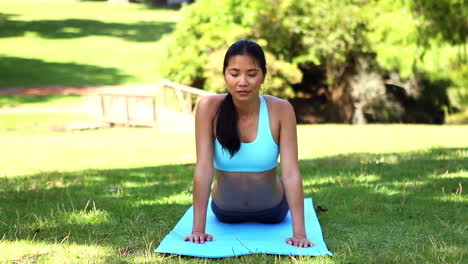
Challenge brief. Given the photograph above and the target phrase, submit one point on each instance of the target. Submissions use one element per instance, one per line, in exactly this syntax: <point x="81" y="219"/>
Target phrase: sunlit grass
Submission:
<point x="29" y="251"/>
<point x="72" y="43"/>
<point x="34" y="123"/>
<point x="38" y="101"/>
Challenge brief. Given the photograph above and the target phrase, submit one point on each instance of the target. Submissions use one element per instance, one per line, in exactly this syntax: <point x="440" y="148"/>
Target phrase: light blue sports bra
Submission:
<point x="259" y="155"/>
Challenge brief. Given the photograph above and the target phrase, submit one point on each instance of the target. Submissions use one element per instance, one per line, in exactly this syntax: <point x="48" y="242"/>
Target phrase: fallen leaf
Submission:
<point x="319" y="210"/>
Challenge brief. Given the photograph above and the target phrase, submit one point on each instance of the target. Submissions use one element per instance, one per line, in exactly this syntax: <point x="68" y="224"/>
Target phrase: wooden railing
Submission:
<point x="140" y="106"/>
<point x="185" y="95"/>
<point x="128" y="109"/>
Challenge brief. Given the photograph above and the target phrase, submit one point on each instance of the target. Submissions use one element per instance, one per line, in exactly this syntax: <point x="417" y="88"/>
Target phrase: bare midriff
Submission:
<point x="247" y="191"/>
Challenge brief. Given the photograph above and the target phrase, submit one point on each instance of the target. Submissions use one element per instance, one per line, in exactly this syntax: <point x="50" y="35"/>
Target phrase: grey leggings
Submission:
<point x="268" y="216"/>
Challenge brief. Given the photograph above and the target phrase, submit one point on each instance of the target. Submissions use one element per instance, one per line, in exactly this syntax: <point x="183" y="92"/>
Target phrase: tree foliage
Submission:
<point x="318" y="48"/>
<point x="447" y="21"/>
<point x="291" y="32"/>
<point x="425" y="40"/>
<point x="444" y="19"/>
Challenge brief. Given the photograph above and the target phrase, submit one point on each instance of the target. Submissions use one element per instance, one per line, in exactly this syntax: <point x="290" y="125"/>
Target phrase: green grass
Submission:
<point x="33" y="119"/>
<point x="40" y="101"/>
<point x="394" y="194"/>
<point x="70" y="43"/>
<point x="458" y="118"/>
<point x="40" y="122"/>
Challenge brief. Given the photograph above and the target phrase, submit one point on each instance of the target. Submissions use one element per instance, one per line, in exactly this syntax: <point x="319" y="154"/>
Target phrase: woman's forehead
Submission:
<point x="243" y="62"/>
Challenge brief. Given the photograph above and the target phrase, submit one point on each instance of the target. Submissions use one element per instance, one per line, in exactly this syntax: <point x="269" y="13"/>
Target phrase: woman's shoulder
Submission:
<point x="210" y="103"/>
<point x="275" y="100"/>
<point x="211" y="100"/>
<point x="278" y="105"/>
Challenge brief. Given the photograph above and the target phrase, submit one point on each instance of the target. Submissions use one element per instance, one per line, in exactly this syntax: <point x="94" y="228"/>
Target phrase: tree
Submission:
<point x="332" y="43"/>
<point x="292" y="32"/>
<point x="331" y="35"/>
<point x="447" y="19"/>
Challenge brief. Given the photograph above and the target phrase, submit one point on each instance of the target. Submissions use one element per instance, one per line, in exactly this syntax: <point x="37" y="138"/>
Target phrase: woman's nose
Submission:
<point x="243" y="81"/>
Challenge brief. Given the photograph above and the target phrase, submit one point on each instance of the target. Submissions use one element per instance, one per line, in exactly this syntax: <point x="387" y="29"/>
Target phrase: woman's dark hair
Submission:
<point x="226" y="126"/>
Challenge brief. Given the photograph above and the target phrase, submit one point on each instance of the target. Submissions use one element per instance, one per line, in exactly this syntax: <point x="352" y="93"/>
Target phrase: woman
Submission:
<point x="239" y="136"/>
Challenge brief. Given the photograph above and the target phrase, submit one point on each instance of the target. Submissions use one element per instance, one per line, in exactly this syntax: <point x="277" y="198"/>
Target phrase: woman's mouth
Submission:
<point x="243" y="92"/>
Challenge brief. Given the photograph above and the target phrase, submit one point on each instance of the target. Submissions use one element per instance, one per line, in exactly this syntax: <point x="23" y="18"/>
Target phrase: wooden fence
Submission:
<point x="140" y="107"/>
<point x="128" y="109"/>
<point x="185" y="95"/>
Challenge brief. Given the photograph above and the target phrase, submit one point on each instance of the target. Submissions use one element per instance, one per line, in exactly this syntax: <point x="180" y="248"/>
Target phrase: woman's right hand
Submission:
<point x="198" y="238"/>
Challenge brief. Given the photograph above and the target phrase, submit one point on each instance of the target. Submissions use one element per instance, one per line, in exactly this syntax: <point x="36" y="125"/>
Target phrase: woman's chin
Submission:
<point x="245" y="96"/>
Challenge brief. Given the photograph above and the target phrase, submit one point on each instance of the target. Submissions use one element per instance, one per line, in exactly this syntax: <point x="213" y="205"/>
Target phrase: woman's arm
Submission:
<point x="291" y="175"/>
<point x="203" y="175"/>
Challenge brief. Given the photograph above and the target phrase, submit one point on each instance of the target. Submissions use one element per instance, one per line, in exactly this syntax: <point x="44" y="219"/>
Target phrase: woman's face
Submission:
<point x="243" y="77"/>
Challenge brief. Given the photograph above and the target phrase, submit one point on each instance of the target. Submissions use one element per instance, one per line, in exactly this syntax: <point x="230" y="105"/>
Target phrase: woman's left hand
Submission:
<point x="299" y="241"/>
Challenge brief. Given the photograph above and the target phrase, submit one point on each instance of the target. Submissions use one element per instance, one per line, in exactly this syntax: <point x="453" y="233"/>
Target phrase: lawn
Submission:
<point x="72" y="43"/>
<point x="394" y="194"/>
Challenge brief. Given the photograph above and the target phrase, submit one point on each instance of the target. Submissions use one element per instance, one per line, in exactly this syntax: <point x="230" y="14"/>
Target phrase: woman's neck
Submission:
<point x="247" y="108"/>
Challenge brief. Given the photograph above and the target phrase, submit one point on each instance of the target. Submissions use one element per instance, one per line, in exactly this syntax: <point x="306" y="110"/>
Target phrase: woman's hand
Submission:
<point x="198" y="238"/>
<point x="299" y="241"/>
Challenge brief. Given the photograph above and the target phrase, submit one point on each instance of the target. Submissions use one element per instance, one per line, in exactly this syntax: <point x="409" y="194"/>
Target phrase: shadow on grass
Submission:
<point x="427" y="175"/>
<point x="22" y="72"/>
<point x="143" y="31"/>
<point x="380" y="206"/>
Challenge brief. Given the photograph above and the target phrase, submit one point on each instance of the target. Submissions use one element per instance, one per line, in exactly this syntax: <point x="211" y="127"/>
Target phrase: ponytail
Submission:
<point x="226" y="126"/>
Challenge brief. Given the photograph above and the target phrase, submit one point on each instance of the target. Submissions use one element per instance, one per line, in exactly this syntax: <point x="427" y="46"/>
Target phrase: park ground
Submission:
<point x="394" y="193"/>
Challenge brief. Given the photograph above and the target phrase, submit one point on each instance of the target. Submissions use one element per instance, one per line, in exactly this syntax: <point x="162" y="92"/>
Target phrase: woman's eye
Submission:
<point x="252" y="75"/>
<point x="234" y="75"/>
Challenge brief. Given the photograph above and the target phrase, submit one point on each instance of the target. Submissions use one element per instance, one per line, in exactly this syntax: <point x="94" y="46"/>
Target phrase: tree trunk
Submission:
<point x="340" y="107"/>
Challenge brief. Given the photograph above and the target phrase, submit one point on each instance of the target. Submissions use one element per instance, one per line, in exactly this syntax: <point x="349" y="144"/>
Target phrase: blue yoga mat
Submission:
<point x="231" y="240"/>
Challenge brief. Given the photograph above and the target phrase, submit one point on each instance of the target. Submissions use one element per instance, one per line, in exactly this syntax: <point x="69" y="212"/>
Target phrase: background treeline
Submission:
<point x="351" y="61"/>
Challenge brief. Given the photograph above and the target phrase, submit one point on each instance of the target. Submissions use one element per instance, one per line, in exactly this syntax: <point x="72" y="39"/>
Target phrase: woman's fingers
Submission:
<point x="299" y="242"/>
<point x="198" y="238"/>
